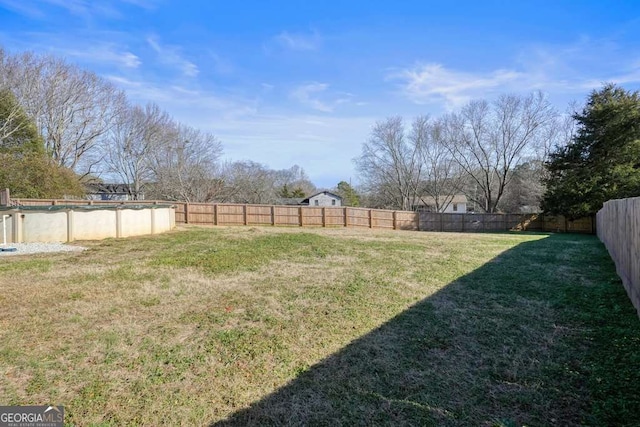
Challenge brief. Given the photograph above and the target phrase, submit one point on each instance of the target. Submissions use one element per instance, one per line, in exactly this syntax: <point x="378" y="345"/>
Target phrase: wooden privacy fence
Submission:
<point x="308" y="216"/>
<point x="473" y="222"/>
<point x="619" y="230"/>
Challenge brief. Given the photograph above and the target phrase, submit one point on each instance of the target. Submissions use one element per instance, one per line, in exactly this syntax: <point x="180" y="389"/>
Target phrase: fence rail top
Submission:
<point x="110" y="206"/>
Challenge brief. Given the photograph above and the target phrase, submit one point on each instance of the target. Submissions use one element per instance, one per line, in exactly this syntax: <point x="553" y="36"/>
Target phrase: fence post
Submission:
<point x="300" y="215"/>
<point x="395" y="221"/>
<point x="118" y="222"/>
<point x="346" y="216"/>
<point x="152" y="212"/>
<point x="463" y="221"/>
<point x="16" y="217"/>
<point x="186" y="213"/>
<point x="245" y="217"/>
<point x="441" y="221"/>
<point x="370" y="218"/>
<point x="69" y="225"/>
<point x="215" y="214"/>
<point x="273" y="215"/>
<point x="5" y="198"/>
<point x="324" y="217"/>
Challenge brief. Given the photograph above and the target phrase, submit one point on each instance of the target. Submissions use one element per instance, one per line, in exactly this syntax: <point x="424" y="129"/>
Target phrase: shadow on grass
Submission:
<point x="522" y="340"/>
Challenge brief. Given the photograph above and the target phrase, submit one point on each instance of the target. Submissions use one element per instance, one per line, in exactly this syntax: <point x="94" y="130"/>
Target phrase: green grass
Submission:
<point x="272" y="326"/>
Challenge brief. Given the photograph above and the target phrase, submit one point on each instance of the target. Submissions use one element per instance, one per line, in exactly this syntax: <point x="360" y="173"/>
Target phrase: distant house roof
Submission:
<point x="103" y="188"/>
<point x="327" y="193"/>
<point x="290" y="201"/>
<point x="431" y="201"/>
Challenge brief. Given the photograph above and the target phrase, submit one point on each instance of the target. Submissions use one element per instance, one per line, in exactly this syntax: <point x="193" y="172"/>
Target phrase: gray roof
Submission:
<point x="289" y="201"/>
<point x="104" y="188"/>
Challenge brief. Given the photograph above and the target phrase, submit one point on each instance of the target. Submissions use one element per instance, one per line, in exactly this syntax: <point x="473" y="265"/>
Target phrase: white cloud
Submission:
<point x="86" y="9"/>
<point x="317" y="96"/>
<point x="24" y="8"/>
<point x="434" y="83"/>
<point x="102" y="54"/>
<point x="219" y="64"/>
<point x="307" y="95"/>
<point x="92" y="50"/>
<point x="144" y="4"/>
<point x="170" y="55"/>
<point x="188" y="104"/>
<point x="299" y="41"/>
<point x="130" y="60"/>
<point x="123" y="59"/>
<point x="75" y="7"/>
<point x="561" y="70"/>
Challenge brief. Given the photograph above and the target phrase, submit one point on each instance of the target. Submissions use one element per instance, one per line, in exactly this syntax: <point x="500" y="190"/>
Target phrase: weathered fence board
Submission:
<point x="619" y="229"/>
<point x="5" y="197"/>
<point x="287" y="215"/>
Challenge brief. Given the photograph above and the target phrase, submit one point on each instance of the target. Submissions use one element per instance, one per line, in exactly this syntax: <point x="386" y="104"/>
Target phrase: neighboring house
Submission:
<point x="428" y="204"/>
<point x="100" y="191"/>
<point x="323" y="198"/>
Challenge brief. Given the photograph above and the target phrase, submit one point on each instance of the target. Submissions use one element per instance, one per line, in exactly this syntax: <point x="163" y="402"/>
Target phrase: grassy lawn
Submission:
<point x="272" y="326"/>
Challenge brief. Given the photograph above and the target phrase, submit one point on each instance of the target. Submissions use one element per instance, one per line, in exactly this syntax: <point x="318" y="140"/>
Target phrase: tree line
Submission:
<point x="514" y="154"/>
<point x="62" y="126"/>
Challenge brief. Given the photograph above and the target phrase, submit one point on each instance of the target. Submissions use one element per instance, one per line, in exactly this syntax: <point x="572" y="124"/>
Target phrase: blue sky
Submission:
<point x="303" y="82"/>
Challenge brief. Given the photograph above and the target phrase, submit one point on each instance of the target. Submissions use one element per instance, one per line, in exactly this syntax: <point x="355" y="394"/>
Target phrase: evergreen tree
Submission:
<point x="25" y="167"/>
<point x="34" y="175"/>
<point x="349" y="195"/>
<point x="298" y="193"/>
<point x="17" y="132"/>
<point x="284" y="192"/>
<point x="602" y="162"/>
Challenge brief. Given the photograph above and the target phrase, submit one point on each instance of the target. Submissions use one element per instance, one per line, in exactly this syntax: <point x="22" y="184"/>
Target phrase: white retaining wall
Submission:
<point x="76" y="223"/>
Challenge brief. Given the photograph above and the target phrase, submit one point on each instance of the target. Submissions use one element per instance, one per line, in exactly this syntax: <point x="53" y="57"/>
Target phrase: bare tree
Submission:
<point x="72" y="108"/>
<point x="293" y="182"/>
<point x="135" y="136"/>
<point x="526" y="188"/>
<point x="489" y="140"/>
<point x="184" y="165"/>
<point x="390" y="166"/>
<point x="441" y="177"/>
<point x="255" y="183"/>
<point x="249" y="182"/>
<point x="147" y="148"/>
